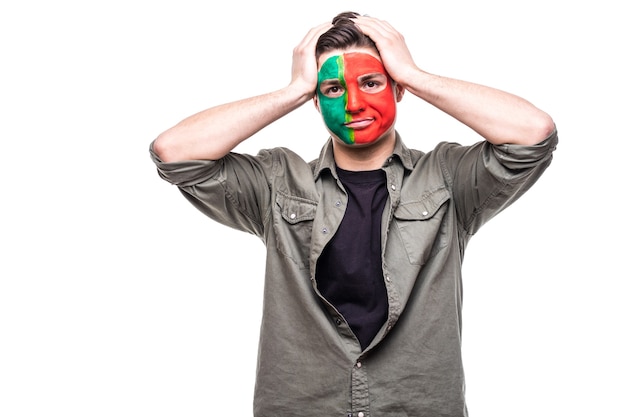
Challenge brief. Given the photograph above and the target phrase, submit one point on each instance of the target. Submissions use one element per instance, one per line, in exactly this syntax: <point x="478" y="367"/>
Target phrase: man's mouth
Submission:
<point x="360" y="123"/>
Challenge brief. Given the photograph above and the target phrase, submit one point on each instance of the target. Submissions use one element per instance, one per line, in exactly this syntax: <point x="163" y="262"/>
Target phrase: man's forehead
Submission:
<point x="338" y="52"/>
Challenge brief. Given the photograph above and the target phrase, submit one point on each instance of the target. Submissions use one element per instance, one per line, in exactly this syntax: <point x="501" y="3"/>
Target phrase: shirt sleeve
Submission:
<point x="487" y="178"/>
<point x="233" y="190"/>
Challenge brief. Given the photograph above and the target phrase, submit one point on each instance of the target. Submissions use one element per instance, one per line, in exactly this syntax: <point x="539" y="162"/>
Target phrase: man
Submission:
<point x="362" y="308"/>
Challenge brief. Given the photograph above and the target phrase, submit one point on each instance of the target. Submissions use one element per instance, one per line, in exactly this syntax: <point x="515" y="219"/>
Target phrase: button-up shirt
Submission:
<point x="309" y="360"/>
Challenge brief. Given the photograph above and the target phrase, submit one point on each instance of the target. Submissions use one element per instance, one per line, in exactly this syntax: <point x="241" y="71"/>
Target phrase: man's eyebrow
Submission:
<point x="370" y="76"/>
<point x="331" y="81"/>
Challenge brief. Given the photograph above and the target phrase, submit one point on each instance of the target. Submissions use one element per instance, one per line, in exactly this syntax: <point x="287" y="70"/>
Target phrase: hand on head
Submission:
<point x="391" y="46"/>
<point x="390" y="43"/>
<point x="304" y="64"/>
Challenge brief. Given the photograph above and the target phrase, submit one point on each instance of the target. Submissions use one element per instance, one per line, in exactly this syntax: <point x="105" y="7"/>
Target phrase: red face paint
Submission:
<point x="356" y="97"/>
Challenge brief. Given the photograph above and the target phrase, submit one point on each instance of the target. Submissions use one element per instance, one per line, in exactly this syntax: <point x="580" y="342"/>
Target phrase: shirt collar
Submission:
<point x="326" y="159"/>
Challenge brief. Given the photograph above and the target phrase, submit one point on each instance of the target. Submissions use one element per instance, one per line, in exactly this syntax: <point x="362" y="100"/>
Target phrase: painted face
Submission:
<point x="356" y="97"/>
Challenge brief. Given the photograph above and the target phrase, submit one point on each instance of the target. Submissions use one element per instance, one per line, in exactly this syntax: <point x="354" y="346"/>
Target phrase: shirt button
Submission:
<point x="424" y="213"/>
<point x="358" y="364"/>
<point x="324" y="230"/>
<point x="393" y="187"/>
<point x="292" y="216"/>
<point x="338" y="321"/>
<point x="388" y="278"/>
<point x="361" y="414"/>
<point x="337" y="203"/>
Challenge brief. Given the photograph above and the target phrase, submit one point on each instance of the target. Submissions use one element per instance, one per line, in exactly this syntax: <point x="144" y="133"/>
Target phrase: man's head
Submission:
<point x="355" y="94"/>
<point x="343" y="35"/>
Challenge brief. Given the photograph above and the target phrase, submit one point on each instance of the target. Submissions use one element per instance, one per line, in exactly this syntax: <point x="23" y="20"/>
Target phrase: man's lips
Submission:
<point x="360" y="123"/>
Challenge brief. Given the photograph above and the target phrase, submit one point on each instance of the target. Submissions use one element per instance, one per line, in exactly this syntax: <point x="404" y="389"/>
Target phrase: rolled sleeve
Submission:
<point x="487" y="178"/>
<point x="185" y="173"/>
<point x="233" y="191"/>
<point x="516" y="158"/>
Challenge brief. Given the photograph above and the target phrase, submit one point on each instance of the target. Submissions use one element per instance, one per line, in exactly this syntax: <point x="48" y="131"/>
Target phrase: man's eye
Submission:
<point x="372" y="85"/>
<point x="333" y="91"/>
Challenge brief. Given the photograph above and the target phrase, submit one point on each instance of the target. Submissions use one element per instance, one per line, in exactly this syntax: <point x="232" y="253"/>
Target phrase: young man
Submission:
<point x="362" y="309"/>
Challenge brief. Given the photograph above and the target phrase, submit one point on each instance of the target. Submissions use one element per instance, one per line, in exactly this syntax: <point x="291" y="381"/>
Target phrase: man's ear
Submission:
<point x="316" y="102"/>
<point x="399" y="90"/>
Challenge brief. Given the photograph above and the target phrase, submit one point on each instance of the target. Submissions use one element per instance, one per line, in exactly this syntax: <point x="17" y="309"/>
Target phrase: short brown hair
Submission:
<point x="342" y="35"/>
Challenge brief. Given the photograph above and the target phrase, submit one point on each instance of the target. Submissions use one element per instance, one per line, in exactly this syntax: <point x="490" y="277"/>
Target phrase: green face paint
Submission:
<point x="356" y="98"/>
<point x="333" y="108"/>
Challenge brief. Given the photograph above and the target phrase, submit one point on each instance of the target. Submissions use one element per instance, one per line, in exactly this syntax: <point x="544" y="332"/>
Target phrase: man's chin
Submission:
<point x="356" y="144"/>
<point x="364" y="142"/>
<point x="359" y="140"/>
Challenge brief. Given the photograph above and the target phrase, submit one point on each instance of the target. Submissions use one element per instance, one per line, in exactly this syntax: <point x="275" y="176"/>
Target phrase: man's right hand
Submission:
<point x="304" y="65"/>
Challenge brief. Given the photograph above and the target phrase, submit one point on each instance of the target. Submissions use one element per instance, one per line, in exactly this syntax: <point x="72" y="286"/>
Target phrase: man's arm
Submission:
<point x="212" y="133"/>
<point x="498" y="116"/>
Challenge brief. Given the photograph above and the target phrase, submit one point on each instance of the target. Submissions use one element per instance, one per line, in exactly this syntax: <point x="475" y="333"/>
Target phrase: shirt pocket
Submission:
<point x="422" y="225"/>
<point x="294" y="225"/>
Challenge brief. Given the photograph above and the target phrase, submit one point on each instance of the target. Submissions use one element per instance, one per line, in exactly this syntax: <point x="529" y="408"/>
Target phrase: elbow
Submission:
<point x="164" y="147"/>
<point x="532" y="131"/>
<point x="542" y="127"/>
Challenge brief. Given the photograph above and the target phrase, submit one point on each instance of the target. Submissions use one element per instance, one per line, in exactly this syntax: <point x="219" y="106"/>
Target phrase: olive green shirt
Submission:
<point x="309" y="361"/>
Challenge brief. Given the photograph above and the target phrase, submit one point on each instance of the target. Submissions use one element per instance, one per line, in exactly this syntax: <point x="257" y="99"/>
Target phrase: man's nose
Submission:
<point x="354" y="101"/>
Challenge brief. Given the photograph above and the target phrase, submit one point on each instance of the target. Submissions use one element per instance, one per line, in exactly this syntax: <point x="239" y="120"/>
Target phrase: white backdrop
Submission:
<point x="118" y="298"/>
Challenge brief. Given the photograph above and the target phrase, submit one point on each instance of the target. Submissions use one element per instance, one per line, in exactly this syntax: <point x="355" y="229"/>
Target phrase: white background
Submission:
<point x="118" y="298"/>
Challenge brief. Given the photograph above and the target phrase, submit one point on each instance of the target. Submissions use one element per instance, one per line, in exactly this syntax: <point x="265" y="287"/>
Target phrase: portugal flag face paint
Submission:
<point x="356" y="97"/>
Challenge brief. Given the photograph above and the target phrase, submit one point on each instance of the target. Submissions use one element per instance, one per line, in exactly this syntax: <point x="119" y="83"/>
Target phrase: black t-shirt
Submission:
<point x="349" y="271"/>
